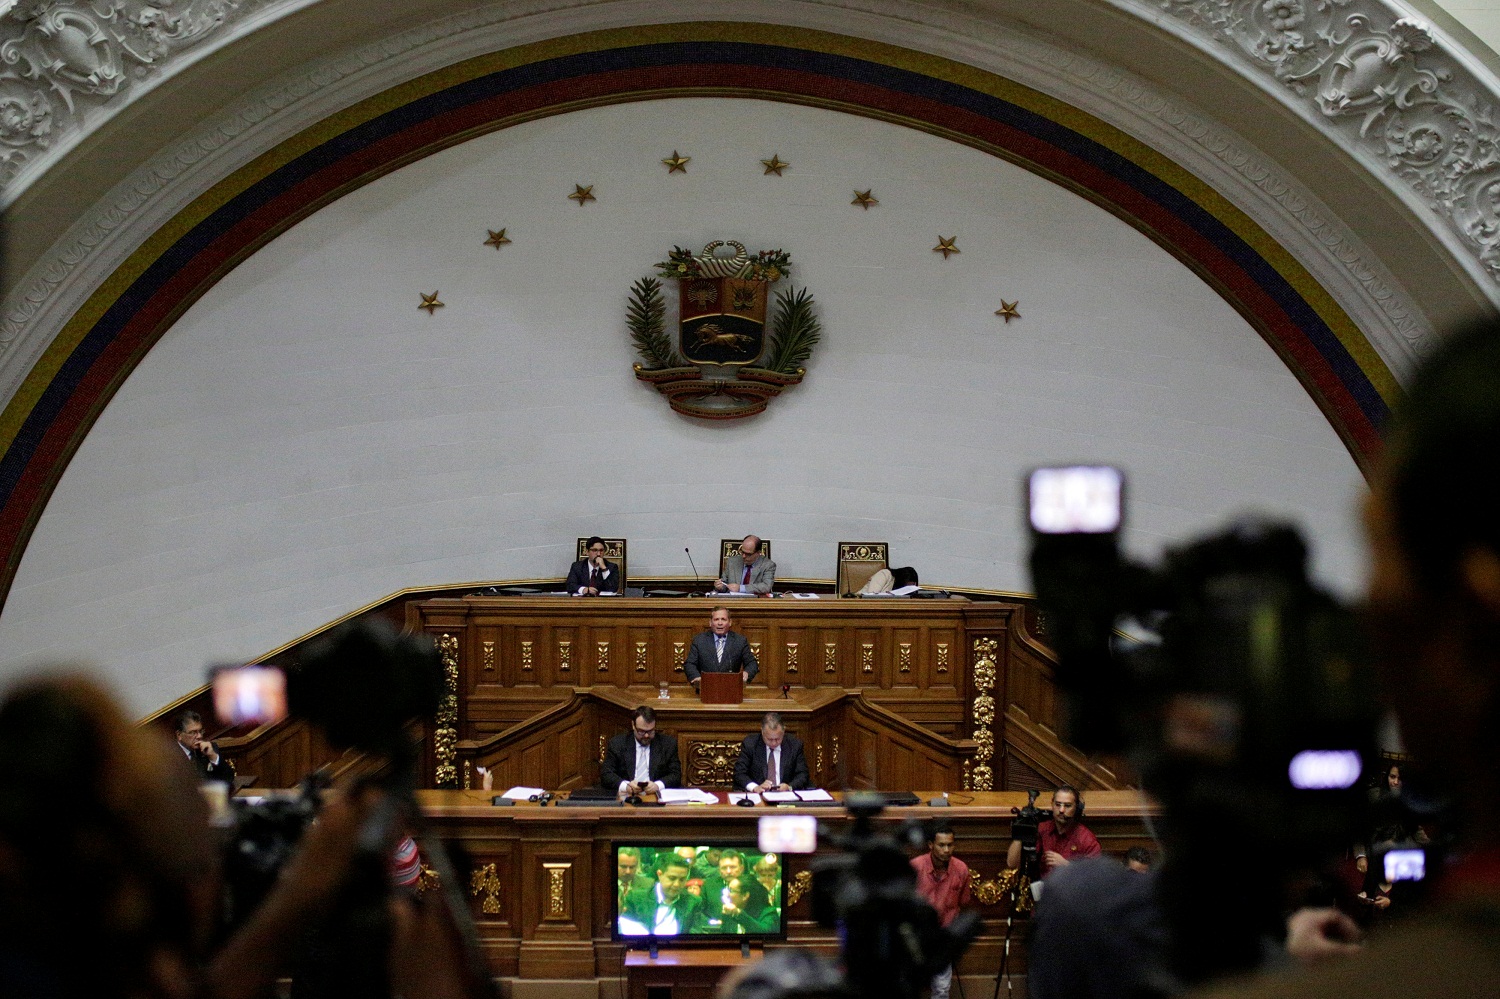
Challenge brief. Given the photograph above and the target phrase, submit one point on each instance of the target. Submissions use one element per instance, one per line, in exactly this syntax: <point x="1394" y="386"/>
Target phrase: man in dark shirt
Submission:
<point x="200" y="752"/>
<point x="1061" y="839"/>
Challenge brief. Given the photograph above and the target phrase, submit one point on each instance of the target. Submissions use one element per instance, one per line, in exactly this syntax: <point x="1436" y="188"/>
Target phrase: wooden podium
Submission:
<point x="722" y="688"/>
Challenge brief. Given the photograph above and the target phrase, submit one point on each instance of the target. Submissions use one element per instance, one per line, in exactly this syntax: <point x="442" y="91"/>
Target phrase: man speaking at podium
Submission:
<point x="719" y="650"/>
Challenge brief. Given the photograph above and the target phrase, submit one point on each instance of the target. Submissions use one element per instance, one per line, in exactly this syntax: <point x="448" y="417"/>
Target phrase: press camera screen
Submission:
<point x="663" y="890"/>
<point x="249" y="694"/>
<point x="1405" y="865"/>
<point x="1082" y="499"/>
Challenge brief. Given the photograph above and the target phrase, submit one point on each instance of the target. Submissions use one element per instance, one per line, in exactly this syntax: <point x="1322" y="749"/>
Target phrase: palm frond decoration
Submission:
<point x="797" y="330"/>
<point x="647" y="318"/>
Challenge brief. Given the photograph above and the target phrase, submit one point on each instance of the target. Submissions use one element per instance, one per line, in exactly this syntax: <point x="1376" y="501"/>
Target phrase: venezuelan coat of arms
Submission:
<point x="734" y="352"/>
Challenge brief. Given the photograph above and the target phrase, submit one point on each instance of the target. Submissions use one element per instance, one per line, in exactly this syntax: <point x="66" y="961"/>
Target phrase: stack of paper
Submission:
<point x="735" y="797"/>
<point x="815" y="794"/>
<point x="812" y="794"/>
<point x="688" y="796"/>
<point x="524" y="793"/>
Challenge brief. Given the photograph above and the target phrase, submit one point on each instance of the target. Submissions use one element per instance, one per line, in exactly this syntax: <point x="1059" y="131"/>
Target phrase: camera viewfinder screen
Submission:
<point x="1076" y="500"/>
<point x="697" y="891"/>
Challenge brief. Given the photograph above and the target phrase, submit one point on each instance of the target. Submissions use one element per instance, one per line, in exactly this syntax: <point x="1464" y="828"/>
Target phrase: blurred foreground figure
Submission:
<point x="108" y="877"/>
<point x="1434" y="602"/>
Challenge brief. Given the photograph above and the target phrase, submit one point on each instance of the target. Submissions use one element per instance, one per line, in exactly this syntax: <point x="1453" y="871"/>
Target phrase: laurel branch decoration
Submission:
<point x="719" y="388"/>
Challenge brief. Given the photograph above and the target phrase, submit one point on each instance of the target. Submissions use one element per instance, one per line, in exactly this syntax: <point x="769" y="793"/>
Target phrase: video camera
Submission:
<point x="1240" y="691"/>
<point x="1023" y="829"/>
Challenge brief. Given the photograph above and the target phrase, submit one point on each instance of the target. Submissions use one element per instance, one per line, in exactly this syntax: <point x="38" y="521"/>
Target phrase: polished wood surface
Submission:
<point x="543" y="877"/>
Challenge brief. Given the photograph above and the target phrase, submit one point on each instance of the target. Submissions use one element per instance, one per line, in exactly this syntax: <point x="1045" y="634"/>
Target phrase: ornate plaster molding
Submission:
<point x="107" y="232"/>
<point x="1415" y="108"/>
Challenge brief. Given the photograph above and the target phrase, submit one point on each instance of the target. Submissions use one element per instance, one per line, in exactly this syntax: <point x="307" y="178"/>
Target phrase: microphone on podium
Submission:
<point x="696" y="584"/>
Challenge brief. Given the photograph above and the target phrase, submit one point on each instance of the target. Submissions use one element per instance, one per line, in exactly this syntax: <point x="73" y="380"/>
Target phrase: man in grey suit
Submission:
<point x="719" y="650"/>
<point x="747" y="572"/>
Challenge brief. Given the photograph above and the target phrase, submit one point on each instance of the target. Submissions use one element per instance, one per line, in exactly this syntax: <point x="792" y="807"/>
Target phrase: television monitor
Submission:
<point x="697" y="892"/>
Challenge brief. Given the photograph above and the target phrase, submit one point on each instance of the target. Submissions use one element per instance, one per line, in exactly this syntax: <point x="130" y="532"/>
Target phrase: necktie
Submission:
<point x="773" y="768"/>
<point x="594" y="578"/>
<point x="745" y="581"/>
<point x="719" y="648"/>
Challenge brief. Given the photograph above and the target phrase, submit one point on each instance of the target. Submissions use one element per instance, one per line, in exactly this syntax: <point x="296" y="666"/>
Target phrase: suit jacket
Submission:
<point x="703" y="658"/>
<point x="221" y="771"/>
<point x="578" y="577"/>
<point x="762" y="573"/>
<point x="750" y="768"/>
<point x="619" y="761"/>
<point x="642" y="907"/>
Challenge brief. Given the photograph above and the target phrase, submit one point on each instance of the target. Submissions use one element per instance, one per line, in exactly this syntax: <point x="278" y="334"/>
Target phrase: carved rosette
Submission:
<point x="986" y="660"/>
<point x="445" y="722"/>
<point x="484" y="881"/>
<point x="712" y="763"/>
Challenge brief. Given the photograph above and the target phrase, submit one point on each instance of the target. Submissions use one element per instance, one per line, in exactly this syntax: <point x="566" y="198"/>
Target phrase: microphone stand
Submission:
<point x="697" y="586"/>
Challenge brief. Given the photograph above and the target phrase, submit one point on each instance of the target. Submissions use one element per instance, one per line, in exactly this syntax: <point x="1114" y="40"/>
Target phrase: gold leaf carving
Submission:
<point x="602" y="745"/>
<point x="1007" y="883"/>
<point x="489" y="657"/>
<point x="799" y="887"/>
<point x="942" y="657"/>
<point x="485" y="881"/>
<point x="427" y="880"/>
<point x="557" y="899"/>
<point x="867" y="657"/>
<point x="791" y="657"/>
<point x="968" y="777"/>
<point x="984" y="778"/>
<point x="640" y="657"/>
<point x="830" y="657"/>
<point x="835" y="751"/>
<point x="678" y="655"/>
<point x="905" y="657"/>
<point x="984" y="710"/>
<point x="445" y="722"/>
<point x="603" y="649"/>
<point x="564" y="656"/>
<point x="711" y="763"/>
<point x="818" y="756"/>
<point x="526" y="656"/>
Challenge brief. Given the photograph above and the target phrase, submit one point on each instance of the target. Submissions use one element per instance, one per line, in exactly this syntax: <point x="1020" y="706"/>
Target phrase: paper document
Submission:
<point x="524" y="793"/>
<point x="734" y="593"/>
<point x="776" y="796"/>
<point x="735" y="797"/>
<point x="687" y="795"/>
<point x="815" y="794"/>
<point x="803" y="596"/>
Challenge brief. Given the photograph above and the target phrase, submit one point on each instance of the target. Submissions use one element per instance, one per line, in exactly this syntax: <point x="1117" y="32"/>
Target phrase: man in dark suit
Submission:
<point x="593" y="576"/>
<point x="200" y="752"/>
<point x="666" y="908"/>
<point x="640" y="760"/>
<point x="771" y="760"/>
<point x="719" y="650"/>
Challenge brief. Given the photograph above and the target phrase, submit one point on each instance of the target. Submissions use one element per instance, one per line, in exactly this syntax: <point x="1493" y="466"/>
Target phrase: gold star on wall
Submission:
<point x="582" y="194"/>
<point x="676" y="163"/>
<point x="430" y="302"/>
<point x="497" y="239"/>
<point x="946" y="246"/>
<point x="774" y="165"/>
<point x="1007" y="310"/>
<point x="865" y="199"/>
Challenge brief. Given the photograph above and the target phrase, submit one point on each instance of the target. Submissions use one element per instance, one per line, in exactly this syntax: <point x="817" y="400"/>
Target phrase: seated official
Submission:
<point x="747" y="572"/>
<point x="771" y="760"/>
<point x="200" y="752"/>
<point x="666" y="907"/>
<point x="593" y="576"/>
<point x="719" y="650"/>
<point x="1061" y="839"/>
<point x="641" y="761"/>
<point x="899" y="582"/>
<point x="748" y="908"/>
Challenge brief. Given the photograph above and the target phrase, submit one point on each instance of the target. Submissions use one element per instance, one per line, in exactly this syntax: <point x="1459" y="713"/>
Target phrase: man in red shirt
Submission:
<point x="943" y="880"/>
<point x="1061" y="839"/>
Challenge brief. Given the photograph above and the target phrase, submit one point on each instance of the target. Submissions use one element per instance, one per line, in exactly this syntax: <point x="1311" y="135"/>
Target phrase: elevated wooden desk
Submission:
<point x="682" y="974"/>
<point x="545" y="876"/>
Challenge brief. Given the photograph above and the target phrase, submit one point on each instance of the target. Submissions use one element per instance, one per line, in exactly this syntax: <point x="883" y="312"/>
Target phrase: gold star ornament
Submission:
<point x="1007" y="310"/>
<point x="676" y="163"/>
<point x="497" y="239"/>
<point x="583" y="195"/>
<point x="947" y="246"/>
<point x="865" y="199"/>
<point x="774" y="165"/>
<point x="430" y="302"/>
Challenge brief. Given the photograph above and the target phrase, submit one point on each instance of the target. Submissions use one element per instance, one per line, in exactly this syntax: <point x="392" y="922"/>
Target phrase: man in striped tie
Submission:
<point x="719" y="650"/>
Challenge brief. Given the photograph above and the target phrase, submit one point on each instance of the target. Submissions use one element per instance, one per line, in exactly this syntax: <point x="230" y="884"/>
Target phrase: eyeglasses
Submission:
<point x="596" y="551"/>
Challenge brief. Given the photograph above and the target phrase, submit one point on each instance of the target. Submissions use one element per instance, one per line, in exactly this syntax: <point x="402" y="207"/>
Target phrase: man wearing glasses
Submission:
<point x="593" y="576"/>
<point x="747" y="572"/>
<point x="640" y="761"/>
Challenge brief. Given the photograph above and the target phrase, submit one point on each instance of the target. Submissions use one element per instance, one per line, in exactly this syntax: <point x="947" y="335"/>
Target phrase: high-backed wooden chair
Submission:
<point x="729" y="547"/>
<point x="858" y="561"/>
<point x="614" y="551"/>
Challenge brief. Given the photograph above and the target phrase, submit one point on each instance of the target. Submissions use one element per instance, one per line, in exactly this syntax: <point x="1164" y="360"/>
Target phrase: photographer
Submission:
<point x="1434" y="602"/>
<point x="1062" y="839"/>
